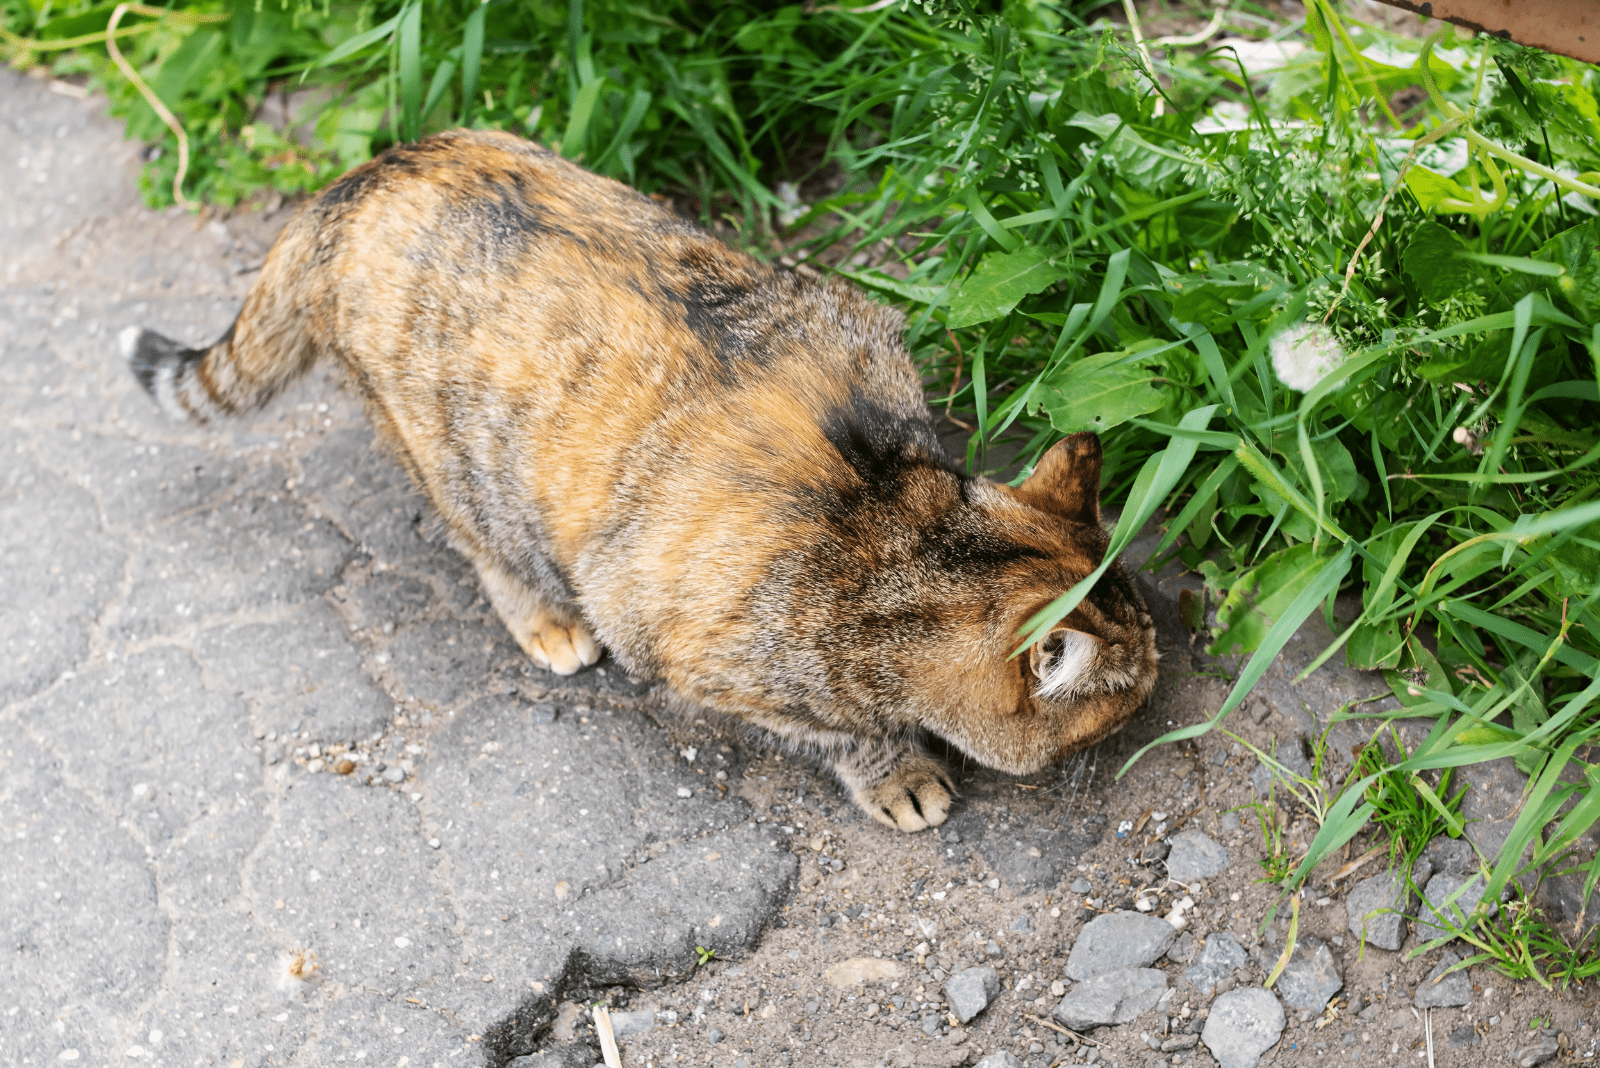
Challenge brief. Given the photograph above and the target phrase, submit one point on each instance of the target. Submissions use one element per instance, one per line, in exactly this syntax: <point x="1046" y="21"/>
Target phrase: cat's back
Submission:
<point x="555" y="351"/>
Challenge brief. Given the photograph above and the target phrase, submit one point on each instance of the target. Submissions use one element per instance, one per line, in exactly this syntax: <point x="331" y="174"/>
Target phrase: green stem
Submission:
<point x="1483" y="144"/>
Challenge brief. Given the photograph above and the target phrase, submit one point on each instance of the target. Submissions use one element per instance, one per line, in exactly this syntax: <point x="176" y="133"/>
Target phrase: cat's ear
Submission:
<point x="1066" y="480"/>
<point x="1062" y="659"/>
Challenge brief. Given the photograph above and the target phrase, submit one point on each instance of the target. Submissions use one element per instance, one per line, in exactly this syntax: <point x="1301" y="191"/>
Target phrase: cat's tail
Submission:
<point x="268" y="346"/>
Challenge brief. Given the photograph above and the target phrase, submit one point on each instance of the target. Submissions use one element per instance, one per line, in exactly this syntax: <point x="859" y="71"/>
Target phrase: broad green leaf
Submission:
<point x="1374" y="645"/>
<point x="1578" y="251"/>
<point x="1096" y="393"/>
<point x="1002" y="279"/>
<point x="1261" y="596"/>
<point x="1432" y="260"/>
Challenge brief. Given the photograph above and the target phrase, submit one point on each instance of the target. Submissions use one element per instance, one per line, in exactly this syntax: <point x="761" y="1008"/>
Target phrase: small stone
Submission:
<point x="684" y="791"/>
<point x="930" y="1024"/>
<point x="433" y="843"/>
<point x="1231" y="821"/>
<point x="1221" y="955"/>
<point x="1182" y="951"/>
<point x="861" y="970"/>
<point x="1454" y="856"/>
<point x="627" y="1024"/>
<point x="1023" y="924"/>
<point x="314" y="766"/>
<point x="1440" y="991"/>
<point x="1081" y="885"/>
<point x="970" y="991"/>
<point x="1117" y="997"/>
<point x="1536" y="1052"/>
<point x="713" y="1036"/>
<point x="1311" y="977"/>
<point x="1242" y="1025"/>
<point x="1180" y="1042"/>
<point x="1194" y="857"/>
<point x="1464" y="1037"/>
<point x="1155" y="851"/>
<point x="1001" y="1059"/>
<point x="1436" y="914"/>
<point x="1057" y="988"/>
<point x="1378" y="907"/>
<point x="345" y="767"/>
<point x="394" y="775"/>
<point x="1117" y="940"/>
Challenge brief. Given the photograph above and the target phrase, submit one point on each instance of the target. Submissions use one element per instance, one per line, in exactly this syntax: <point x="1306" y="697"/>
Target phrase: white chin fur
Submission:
<point x="1072" y="663"/>
<point x="128" y="341"/>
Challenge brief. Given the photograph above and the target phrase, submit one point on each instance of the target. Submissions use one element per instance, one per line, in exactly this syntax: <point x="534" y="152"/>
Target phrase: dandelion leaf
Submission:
<point x="1096" y="393"/>
<point x="1261" y="595"/>
<point x="1002" y="279"/>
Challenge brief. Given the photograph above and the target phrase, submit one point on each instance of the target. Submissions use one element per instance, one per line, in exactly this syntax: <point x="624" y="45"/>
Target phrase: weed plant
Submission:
<point x="1333" y="356"/>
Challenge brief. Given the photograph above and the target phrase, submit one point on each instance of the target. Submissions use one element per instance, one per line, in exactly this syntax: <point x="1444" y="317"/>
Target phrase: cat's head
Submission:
<point x="1093" y="670"/>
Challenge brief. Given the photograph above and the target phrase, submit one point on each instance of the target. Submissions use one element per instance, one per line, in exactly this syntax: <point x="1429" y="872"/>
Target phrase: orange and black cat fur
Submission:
<point x="723" y="473"/>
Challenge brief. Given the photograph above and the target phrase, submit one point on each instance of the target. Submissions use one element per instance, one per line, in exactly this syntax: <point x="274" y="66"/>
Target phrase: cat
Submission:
<point x="723" y="473"/>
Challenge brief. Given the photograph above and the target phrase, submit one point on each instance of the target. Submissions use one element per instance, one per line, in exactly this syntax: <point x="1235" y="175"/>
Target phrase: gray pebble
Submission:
<point x="1231" y="821"/>
<point x="394" y="775"/>
<point x="713" y="1036"/>
<point x="1537" y="1052"/>
<point x="1081" y="885"/>
<point x="1242" y="1025"/>
<point x="1437" y="914"/>
<point x="930" y="1024"/>
<point x="1377" y="907"/>
<point x="1001" y="1059"/>
<point x="1118" y="940"/>
<point x="1117" y="997"/>
<point x="1023" y="924"/>
<point x="1439" y="991"/>
<point x="626" y="1024"/>
<point x="969" y="992"/>
<point x="1221" y="955"/>
<point x="1311" y="977"/>
<point x="1194" y="857"/>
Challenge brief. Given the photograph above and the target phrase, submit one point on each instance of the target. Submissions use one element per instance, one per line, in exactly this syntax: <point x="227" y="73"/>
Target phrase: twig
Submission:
<point x="154" y="101"/>
<point x="1350" y="868"/>
<point x="1057" y="1027"/>
<point x="608" y="1037"/>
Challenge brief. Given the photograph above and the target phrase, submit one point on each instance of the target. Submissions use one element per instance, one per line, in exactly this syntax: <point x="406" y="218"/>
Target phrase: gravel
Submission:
<point x="1118" y="940"/>
<point x="1117" y="997"/>
<point x="1243" y="1025"/>
<point x="1194" y="857"/>
<point x="1437" y="892"/>
<point x="1221" y="955"/>
<point x="1311" y="977"/>
<point x="1002" y="1059"/>
<point x="1440" y="991"/>
<point x="1378" y="908"/>
<point x="1538" y="1051"/>
<point x="969" y="992"/>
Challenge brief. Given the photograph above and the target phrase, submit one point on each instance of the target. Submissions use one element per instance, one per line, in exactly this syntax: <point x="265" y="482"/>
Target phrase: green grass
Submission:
<point x="1343" y="331"/>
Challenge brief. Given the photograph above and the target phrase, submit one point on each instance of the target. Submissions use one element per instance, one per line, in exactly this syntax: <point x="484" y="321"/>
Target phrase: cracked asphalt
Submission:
<point x="277" y="786"/>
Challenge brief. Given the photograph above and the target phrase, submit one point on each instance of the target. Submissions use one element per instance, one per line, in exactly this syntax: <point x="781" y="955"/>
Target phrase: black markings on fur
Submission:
<point x="886" y="812"/>
<point x="152" y="354"/>
<point x="915" y="803"/>
<point x="881" y="446"/>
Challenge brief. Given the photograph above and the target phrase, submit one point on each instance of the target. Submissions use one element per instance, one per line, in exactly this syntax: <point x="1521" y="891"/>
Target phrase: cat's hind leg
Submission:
<point x="556" y="639"/>
<point x="896" y="781"/>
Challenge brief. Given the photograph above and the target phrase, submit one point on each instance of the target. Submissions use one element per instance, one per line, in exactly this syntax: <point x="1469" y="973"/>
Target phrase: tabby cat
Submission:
<point x="724" y="474"/>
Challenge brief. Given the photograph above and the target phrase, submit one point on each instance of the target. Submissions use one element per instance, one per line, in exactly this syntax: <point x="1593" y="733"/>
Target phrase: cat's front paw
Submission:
<point x="915" y="795"/>
<point x="558" y="645"/>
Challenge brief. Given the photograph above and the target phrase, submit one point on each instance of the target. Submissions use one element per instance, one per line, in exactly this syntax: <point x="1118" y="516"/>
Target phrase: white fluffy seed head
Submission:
<point x="1305" y="354"/>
